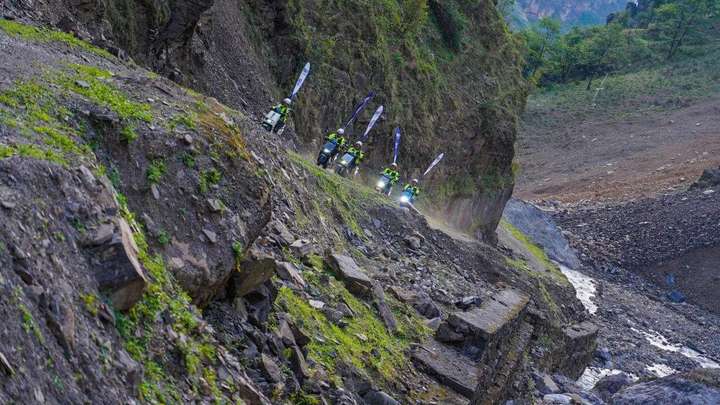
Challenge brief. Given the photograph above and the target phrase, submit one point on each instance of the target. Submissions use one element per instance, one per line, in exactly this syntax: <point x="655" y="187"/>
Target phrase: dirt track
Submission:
<point x="616" y="160"/>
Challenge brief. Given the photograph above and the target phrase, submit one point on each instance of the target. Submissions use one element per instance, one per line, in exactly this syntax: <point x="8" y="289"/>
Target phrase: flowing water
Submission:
<point x="585" y="290"/>
<point x="661" y="342"/>
<point x="584" y="287"/>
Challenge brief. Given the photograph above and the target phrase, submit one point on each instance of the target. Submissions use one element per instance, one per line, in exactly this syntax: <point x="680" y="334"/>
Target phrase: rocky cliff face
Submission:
<point x="447" y="74"/>
<point x="160" y="247"/>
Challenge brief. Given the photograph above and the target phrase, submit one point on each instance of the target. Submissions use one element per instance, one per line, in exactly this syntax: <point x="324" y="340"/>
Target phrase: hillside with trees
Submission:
<point x="646" y="34"/>
<point x="630" y="103"/>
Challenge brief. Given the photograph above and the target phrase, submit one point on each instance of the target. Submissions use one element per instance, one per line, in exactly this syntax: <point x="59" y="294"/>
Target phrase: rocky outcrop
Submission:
<point x="701" y="386"/>
<point x="539" y="226"/>
<point x="118" y="271"/>
<point x="244" y="53"/>
<point x="113" y="180"/>
<point x="709" y="178"/>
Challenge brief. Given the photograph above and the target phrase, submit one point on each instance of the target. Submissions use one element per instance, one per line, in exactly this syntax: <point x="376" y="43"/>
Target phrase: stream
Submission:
<point x="585" y="290"/>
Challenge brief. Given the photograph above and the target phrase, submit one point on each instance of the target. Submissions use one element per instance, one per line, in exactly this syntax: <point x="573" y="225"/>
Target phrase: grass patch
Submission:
<point x="145" y="339"/>
<point x="28" y="321"/>
<point x="185" y="119"/>
<point x="225" y="137"/>
<point x="38" y="114"/>
<point x="92" y="303"/>
<point x="553" y="270"/>
<point x="94" y="84"/>
<point x="128" y="133"/>
<point x="346" y="196"/>
<point x="208" y="178"/>
<point x="155" y="171"/>
<point x="381" y="356"/>
<point x="43" y="35"/>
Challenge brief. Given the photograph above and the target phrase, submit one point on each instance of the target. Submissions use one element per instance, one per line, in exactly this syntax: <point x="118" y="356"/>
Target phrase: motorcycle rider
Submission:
<point x="338" y="137"/>
<point x="392" y="173"/>
<point x="413" y="188"/>
<point x="356" y="150"/>
<point x="284" y="110"/>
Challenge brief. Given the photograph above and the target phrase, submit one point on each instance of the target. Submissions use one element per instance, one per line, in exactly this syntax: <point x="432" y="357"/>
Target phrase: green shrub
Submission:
<point x="155" y="171"/>
<point x="451" y="22"/>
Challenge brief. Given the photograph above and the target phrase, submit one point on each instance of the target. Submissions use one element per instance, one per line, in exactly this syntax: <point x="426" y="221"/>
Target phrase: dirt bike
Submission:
<point x="407" y="197"/>
<point x="274" y="122"/>
<point x="327" y="154"/>
<point x="346" y="164"/>
<point x="384" y="185"/>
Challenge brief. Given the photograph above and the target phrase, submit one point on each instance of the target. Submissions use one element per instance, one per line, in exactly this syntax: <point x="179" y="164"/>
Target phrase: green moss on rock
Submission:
<point x="364" y="342"/>
<point x="41" y="34"/>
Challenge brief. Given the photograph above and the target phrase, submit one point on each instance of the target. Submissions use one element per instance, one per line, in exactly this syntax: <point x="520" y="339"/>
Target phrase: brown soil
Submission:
<point x="614" y="160"/>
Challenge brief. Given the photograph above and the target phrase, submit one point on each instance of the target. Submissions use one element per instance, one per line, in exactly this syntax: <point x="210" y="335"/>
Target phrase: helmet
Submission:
<point x="393" y="165"/>
<point x="341" y="131"/>
<point x="358" y="144"/>
<point x="287" y="101"/>
<point x="414" y="182"/>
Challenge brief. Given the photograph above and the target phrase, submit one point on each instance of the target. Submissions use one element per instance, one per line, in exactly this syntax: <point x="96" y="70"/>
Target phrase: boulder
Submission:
<point x="379" y="398"/>
<point x="699" y="386"/>
<point x="301" y="248"/>
<point x="545" y="384"/>
<point x="356" y="281"/>
<point x="426" y="307"/>
<point x="271" y="369"/>
<point x="116" y="265"/>
<point x="611" y="384"/>
<point x="386" y="314"/>
<point x="579" y="348"/>
<point x="289" y="272"/>
<point x="709" y="178"/>
<point x="282" y="234"/>
<point x="299" y="365"/>
<point x="253" y="272"/>
<point x="413" y="242"/>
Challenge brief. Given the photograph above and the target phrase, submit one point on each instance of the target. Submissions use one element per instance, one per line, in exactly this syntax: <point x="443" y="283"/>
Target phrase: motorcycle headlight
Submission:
<point x="404" y="199"/>
<point x="326" y="150"/>
<point x="381" y="183"/>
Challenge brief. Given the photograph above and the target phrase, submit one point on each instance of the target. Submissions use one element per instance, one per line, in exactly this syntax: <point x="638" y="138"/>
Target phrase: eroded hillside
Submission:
<point x="160" y="247"/>
<point x="447" y="72"/>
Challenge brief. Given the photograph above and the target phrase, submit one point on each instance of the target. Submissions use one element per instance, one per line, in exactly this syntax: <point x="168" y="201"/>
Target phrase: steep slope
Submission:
<point x="160" y="247"/>
<point x="447" y="73"/>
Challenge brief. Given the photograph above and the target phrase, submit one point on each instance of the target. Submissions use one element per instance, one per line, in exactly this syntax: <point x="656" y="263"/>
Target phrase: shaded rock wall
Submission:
<point x="461" y="99"/>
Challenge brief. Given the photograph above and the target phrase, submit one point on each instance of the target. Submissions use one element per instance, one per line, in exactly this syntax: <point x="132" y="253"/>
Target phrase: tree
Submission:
<point x="601" y="51"/>
<point x="540" y="40"/>
<point x="566" y="55"/>
<point x="679" y="20"/>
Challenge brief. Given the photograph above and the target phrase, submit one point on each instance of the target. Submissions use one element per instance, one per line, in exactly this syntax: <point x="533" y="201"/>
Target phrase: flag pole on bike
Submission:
<point x="411" y="190"/>
<point x="277" y="117"/>
<point x="390" y="175"/>
<point x="351" y="159"/>
<point x="335" y="141"/>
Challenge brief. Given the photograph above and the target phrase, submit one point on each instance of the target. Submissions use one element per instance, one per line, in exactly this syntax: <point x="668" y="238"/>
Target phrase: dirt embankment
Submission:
<point x="616" y="159"/>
